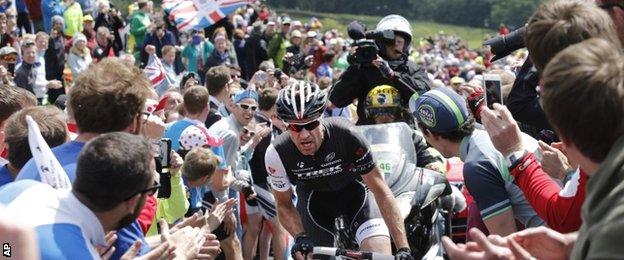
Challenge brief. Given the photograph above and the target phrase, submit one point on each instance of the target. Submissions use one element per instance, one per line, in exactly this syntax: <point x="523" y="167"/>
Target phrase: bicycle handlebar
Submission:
<point x="332" y="251"/>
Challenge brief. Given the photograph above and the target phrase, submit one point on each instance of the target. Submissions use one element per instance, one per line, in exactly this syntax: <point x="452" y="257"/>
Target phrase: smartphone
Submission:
<point x="493" y="87"/>
<point x="164" y="156"/>
<point x="165" y="153"/>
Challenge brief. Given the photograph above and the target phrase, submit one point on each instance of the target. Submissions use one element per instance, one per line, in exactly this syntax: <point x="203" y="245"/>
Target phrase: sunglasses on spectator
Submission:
<point x="307" y="126"/>
<point x="250" y="132"/>
<point x="247" y="107"/>
<point x="28" y="43"/>
<point x="149" y="191"/>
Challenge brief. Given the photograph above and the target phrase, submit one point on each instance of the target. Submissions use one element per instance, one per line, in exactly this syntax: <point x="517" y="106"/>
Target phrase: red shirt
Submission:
<point x="560" y="209"/>
<point x="147" y="214"/>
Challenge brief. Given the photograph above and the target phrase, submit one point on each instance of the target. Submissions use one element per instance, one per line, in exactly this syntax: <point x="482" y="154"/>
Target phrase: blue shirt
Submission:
<point x="324" y="70"/>
<point x="65" y="228"/>
<point x="5" y="175"/>
<point x="66" y="154"/>
<point x="126" y="237"/>
<point x="175" y="130"/>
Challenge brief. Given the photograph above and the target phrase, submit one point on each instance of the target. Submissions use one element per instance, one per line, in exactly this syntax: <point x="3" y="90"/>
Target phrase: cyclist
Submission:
<point x="333" y="169"/>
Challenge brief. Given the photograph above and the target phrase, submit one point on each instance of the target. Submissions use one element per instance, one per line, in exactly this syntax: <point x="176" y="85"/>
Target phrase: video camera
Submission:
<point x="366" y="41"/>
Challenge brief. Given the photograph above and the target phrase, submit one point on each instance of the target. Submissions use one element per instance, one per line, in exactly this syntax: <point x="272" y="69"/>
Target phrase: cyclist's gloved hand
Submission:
<point x="404" y="254"/>
<point x="303" y="244"/>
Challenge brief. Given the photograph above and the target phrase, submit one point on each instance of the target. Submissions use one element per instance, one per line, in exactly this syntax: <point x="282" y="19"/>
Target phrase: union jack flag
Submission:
<point x="197" y="14"/>
<point x="155" y="72"/>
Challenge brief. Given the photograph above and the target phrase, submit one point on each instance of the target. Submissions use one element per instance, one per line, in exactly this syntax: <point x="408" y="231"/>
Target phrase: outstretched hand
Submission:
<point x="218" y="213"/>
<point x="485" y="248"/>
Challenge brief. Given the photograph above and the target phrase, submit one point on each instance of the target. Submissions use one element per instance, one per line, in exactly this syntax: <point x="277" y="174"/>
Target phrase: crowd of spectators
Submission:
<point x="549" y="156"/>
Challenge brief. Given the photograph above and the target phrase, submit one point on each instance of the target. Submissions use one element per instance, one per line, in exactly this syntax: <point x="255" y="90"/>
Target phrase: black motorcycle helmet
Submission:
<point x="301" y="100"/>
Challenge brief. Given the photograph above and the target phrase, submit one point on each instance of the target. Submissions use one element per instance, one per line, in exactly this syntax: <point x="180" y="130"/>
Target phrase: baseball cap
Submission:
<point x="248" y="93"/>
<point x="295" y="33"/>
<point x="286" y="20"/>
<point x="457" y="80"/>
<point x="441" y="110"/>
<point x="87" y="18"/>
<point x="195" y="136"/>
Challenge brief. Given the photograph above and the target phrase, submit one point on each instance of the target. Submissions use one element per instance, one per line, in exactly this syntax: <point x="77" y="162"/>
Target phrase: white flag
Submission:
<point x="50" y="169"/>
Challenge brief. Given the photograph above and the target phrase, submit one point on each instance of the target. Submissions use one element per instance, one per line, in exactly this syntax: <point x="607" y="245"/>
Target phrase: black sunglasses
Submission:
<point x="247" y="107"/>
<point x="149" y="191"/>
<point x="247" y="131"/>
<point x="309" y="126"/>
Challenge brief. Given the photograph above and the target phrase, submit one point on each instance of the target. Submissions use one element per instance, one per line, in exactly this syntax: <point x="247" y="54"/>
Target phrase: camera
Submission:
<point x="163" y="163"/>
<point x="504" y="45"/>
<point x="366" y="41"/>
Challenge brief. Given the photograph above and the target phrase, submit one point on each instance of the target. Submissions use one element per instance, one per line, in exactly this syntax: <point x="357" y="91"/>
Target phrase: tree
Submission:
<point x="513" y="13"/>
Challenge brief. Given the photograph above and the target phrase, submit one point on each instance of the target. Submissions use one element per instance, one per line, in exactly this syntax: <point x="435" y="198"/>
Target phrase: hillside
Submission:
<point x="474" y="36"/>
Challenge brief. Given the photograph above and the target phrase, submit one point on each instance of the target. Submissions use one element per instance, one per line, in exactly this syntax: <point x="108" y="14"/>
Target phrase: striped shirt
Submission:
<point x="65" y="228"/>
<point x="487" y="178"/>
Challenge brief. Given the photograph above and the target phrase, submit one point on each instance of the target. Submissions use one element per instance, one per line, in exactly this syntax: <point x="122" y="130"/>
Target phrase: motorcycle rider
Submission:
<point x="391" y="67"/>
<point x="383" y="105"/>
<point x="333" y="169"/>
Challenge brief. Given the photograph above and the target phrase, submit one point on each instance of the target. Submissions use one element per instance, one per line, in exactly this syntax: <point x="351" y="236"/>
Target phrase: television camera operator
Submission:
<point x="379" y="58"/>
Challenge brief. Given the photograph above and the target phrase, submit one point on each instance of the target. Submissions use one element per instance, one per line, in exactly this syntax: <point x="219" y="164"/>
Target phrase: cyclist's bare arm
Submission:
<point x="388" y="206"/>
<point x="287" y="213"/>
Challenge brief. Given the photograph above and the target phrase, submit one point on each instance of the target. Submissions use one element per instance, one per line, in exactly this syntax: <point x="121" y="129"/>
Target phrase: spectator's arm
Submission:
<point x="346" y="88"/>
<point x="426" y="156"/>
<point x="487" y="187"/>
<point x="415" y="79"/>
<point x="523" y="102"/>
<point x="561" y="209"/>
<point x="175" y="206"/>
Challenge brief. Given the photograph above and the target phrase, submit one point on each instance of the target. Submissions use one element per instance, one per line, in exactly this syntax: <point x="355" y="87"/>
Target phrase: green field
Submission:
<point x="474" y="36"/>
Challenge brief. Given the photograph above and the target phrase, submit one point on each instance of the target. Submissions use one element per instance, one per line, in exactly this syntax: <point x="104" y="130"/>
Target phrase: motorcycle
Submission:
<point x="424" y="196"/>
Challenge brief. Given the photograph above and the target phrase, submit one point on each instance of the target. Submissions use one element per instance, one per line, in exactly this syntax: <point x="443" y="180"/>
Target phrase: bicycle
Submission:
<point x="341" y="253"/>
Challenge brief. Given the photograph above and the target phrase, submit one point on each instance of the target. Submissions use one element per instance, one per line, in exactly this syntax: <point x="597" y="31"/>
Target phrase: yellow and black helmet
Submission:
<point x="384" y="96"/>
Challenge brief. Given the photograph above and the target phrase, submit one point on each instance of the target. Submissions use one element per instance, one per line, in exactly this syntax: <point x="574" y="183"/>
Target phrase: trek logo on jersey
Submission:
<point x="278" y="184"/>
<point x="320" y="173"/>
<point x="330" y="156"/>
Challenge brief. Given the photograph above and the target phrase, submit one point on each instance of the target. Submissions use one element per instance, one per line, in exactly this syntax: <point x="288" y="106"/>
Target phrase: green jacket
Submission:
<point x="73" y="19"/>
<point x="277" y="49"/>
<point x="139" y="24"/>
<point x="602" y="234"/>
<point x="174" y="207"/>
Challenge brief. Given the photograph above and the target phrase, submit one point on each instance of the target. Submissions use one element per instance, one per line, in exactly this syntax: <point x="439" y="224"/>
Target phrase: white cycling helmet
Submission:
<point x="301" y="100"/>
<point x="398" y="24"/>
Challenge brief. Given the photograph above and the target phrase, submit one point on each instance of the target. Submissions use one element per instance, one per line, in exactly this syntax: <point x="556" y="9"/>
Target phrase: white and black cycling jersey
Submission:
<point x="342" y="158"/>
